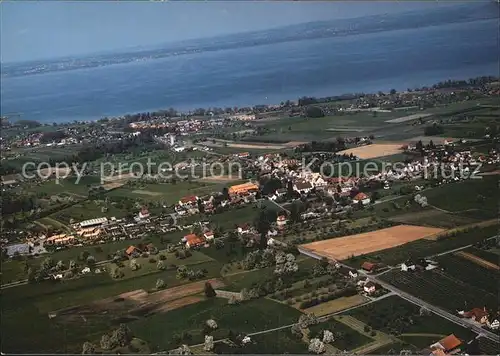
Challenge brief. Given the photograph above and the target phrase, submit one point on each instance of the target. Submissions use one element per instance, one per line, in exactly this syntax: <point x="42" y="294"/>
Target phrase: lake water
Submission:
<point x="260" y="75"/>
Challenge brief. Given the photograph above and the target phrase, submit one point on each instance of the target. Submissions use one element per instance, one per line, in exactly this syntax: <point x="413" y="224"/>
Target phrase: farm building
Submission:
<point x="448" y="344"/>
<point x="305" y="187"/>
<point x="208" y="235"/>
<point x="477" y="314"/>
<point x="368" y="266"/>
<point x="192" y="240"/>
<point x="243" y="188"/>
<point x="93" y="222"/>
<point x="361" y="197"/>
<point x="188" y="201"/>
<point x="22" y="249"/>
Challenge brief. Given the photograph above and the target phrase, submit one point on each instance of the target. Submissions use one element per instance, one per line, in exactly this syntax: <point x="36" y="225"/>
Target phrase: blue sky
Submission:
<point x="43" y="29"/>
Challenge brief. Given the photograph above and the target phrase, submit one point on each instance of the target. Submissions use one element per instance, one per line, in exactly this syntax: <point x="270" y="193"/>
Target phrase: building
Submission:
<point x="93" y="222"/>
<point x="243" y="188"/>
<point x="209" y="235"/>
<point x="305" y="187"/>
<point x="132" y="250"/>
<point x="368" y="266"/>
<point x="192" y="240"/>
<point x="448" y="344"/>
<point x="361" y="197"/>
<point x="477" y="314"/>
<point x="143" y="214"/>
<point x="369" y="287"/>
<point x="188" y="201"/>
<point x="243" y="229"/>
<point x="281" y="221"/>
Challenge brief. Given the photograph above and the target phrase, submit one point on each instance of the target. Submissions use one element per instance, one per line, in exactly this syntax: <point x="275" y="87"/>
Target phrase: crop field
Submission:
<point x="168" y="330"/>
<point x="477" y="260"/>
<point x="442" y="289"/>
<point x="470" y="272"/>
<point x="487" y="255"/>
<point x="394" y="314"/>
<point x="134" y="305"/>
<point x="408" y="118"/>
<point x="480" y="195"/>
<point x="344" y="247"/>
<point x="425" y="248"/>
<point x="168" y="192"/>
<point x="433" y="217"/>
<point x="374" y="150"/>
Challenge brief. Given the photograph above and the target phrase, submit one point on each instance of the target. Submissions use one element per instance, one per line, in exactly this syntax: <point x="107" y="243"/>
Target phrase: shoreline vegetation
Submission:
<point x="305" y="101"/>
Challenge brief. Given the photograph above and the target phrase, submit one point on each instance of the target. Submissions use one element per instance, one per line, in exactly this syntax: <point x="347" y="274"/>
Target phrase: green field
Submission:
<point x="273" y="343"/>
<point x="487" y="255"/>
<point x="424" y="248"/>
<point x="350" y="339"/>
<point x="395" y="315"/>
<point x="256" y="315"/>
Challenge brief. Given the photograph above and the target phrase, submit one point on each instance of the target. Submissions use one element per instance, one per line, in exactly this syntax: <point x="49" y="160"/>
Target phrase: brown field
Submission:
<point x="477" y="260"/>
<point x="360" y="244"/>
<point x="264" y="146"/>
<point x="122" y="177"/>
<point x="146" y="192"/>
<point x="220" y="179"/>
<point x="109" y="186"/>
<point x="408" y="118"/>
<point x="374" y="150"/>
<point x="137" y="304"/>
<point x="294" y="143"/>
<point x="336" y="305"/>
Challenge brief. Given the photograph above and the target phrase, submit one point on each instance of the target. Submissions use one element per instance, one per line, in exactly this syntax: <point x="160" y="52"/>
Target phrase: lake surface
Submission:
<point x="265" y="74"/>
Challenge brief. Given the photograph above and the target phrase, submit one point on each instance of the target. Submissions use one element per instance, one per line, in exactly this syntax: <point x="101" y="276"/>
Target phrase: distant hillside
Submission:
<point x="468" y="12"/>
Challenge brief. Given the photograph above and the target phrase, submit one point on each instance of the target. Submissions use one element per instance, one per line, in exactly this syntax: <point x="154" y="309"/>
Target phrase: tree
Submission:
<point x="314" y="112"/>
<point x="90" y="261"/>
<point x="244" y="294"/>
<point x="72" y="266"/>
<point x="47" y="264"/>
<point x="134" y="266"/>
<point x="160" y="283"/>
<point x="183" y="350"/>
<point x="106" y="342"/>
<point x="296" y="331"/>
<point x="209" y="290"/>
<point x="316" y="346"/>
<point x="160" y="265"/>
<point x="328" y="337"/>
<point x="31" y="275"/>
<point x="60" y="266"/>
<point x="122" y="336"/>
<point x="88" y="348"/>
<point x="209" y="343"/>
<point x="212" y="324"/>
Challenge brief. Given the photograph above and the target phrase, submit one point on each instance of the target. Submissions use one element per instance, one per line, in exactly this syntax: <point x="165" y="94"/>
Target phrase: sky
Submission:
<point x="51" y="29"/>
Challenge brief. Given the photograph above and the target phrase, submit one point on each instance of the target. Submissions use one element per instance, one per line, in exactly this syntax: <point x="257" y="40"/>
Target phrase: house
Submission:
<point x="243" y="229"/>
<point x="448" y="344"/>
<point x="248" y="187"/>
<point x="494" y="324"/>
<point x="188" y="201"/>
<point x="208" y="235"/>
<point x="319" y="182"/>
<point x="368" y="266"/>
<point x="131" y="250"/>
<point x="143" y="214"/>
<point x="192" y="240"/>
<point x="305" y="187"/>
<point x="85" y="270"/>
<point x="407" y="266"/>
<point x="281" y="221"/>
<point x="361" y="197"/>
<point x="476" y="314"/>
<point x="369" y="287"/>
<point x="353" y="274"/>
<point x="280" y="192"/>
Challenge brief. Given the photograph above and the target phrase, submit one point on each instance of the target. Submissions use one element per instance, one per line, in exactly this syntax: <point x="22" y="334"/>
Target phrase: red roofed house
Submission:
<point x="192" y="240"/>
<point x="144" y="213"/>
<point x="188" y="201"/>
<point x="131" y="250"/>
<point x="208" y="235"/>
<point x="368" y="266"/>
<point x="361" y="197"/>
<point x="449" y="344"/>
<point x="281" y="221"/>
<point x="477" y="314"/>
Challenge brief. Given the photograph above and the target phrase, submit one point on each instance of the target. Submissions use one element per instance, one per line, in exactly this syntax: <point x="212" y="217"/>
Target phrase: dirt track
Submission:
<point x="360" y="244"/>
<point x="477" y="260"/>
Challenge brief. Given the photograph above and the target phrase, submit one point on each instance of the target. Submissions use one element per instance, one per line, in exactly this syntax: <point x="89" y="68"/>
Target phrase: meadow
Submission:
<point x="350" y="339"/>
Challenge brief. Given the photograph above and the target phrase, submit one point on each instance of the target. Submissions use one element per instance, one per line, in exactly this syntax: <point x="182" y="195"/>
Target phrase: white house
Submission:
<point x="85" y="270"/>
<point x="243" y="229"/>
<point x="353" y="274"/>
<point x="494" y="324"/>
<point x="361" y="197"/>
<point x="143" y="214"/>
<point x="319" y="182"/>
<point x="209" y="235"/>
<point x="405" y="267"/>
<point x="281" y="221"/>
<point x="369" y="287"/>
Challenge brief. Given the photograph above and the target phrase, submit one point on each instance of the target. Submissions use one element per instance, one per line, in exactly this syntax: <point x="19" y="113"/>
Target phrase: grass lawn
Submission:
<point x="421" y="342"/>
<point x="335" y="305"/>
<point x="161" y="330"/>
<point x="392" y="349"/>
<point x="487" y="255"/>
<point x="69" y="185"/>
<point x="349" y="340"/>
<point x="14" y="270"/>
<point x="274" y="343"/>
<point x="88" y="210"/>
